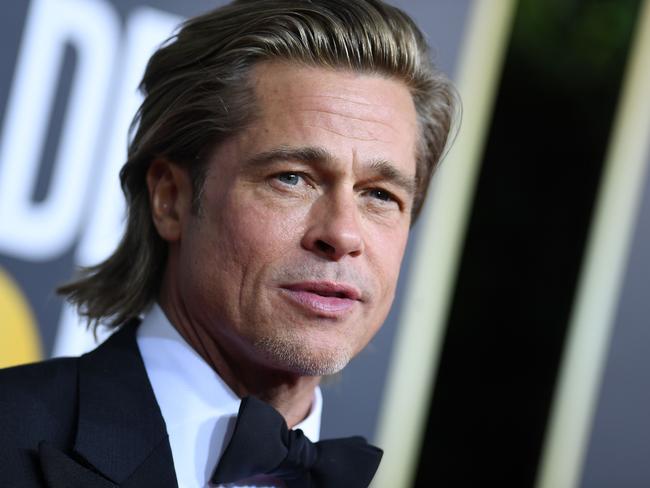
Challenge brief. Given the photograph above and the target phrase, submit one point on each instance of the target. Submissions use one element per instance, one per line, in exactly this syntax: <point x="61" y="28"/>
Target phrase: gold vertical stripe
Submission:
<point x="403" y="414"/>
<point x="19" y="340"/>
<point x="602" y="276"/>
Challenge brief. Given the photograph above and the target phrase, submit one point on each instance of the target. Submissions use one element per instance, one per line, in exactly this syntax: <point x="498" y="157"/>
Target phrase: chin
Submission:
<point x="299" y="357"/>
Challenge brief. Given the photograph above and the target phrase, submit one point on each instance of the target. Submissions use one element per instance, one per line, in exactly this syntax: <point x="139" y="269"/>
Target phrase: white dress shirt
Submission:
<point x="199" y="409"/>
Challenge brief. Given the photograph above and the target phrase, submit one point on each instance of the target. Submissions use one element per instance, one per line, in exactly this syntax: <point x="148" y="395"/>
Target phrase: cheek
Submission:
<point x="388" y="253"/>
<point x="255" y="235"/>
<point x="385" y="258"/>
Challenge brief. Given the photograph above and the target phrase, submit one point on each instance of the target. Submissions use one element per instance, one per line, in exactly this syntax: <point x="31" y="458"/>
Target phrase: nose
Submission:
<point x="334" y="230"/>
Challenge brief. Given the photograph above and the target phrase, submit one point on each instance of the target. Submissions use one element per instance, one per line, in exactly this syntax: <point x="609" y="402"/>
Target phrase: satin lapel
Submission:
<point x="120" y="431"/>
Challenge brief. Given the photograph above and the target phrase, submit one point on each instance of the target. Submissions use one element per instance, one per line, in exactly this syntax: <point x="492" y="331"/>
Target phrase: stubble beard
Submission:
<point x="293" y="353"/>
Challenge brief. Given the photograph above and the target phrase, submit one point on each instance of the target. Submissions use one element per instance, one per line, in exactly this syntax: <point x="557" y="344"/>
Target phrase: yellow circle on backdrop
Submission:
<point x="20" y="341"/>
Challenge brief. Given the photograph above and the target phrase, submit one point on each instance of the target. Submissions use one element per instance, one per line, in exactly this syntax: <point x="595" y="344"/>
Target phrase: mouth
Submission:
<point x="323" y="298"/>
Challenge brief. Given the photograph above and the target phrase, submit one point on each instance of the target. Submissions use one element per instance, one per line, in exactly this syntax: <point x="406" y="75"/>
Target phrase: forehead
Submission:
<point x="366" y="116"/>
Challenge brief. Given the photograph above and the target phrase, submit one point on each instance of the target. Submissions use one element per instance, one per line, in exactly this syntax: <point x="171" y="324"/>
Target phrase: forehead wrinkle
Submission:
<point x="371" y="107"/>
<point x="335" y="97"/>
<point x="343" y="104"/>
<point x="349" y="125"/>
<point x="362" y="108"/>
<point x="347" y="135"/>
<point x="352" y="117"/>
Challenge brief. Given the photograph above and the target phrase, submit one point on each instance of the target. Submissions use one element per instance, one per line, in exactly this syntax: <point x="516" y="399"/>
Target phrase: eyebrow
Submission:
<point x="316" y="155"/>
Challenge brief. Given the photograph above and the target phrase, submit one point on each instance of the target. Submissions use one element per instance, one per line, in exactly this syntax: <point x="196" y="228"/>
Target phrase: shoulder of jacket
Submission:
<point x="37" y="383"/>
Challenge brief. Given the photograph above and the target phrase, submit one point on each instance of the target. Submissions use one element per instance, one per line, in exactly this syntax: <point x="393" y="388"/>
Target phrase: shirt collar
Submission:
<point x="198" y="407"/>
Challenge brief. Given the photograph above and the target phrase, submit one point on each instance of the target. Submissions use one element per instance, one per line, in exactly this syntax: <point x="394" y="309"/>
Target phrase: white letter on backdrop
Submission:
<point x="43" y="230"/>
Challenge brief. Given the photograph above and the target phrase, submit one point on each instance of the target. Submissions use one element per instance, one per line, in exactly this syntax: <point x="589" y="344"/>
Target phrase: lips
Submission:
<point x="323" y="298"/>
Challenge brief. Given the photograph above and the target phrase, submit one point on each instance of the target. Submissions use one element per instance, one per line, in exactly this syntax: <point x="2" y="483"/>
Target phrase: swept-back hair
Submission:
<point x="198" y="91"/>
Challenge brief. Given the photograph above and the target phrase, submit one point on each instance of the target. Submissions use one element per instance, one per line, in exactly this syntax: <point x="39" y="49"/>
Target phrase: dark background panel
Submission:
<point x="525" y="242"/>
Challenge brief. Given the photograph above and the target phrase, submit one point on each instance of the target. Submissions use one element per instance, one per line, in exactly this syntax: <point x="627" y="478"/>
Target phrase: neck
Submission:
<point x="288" y="392"/>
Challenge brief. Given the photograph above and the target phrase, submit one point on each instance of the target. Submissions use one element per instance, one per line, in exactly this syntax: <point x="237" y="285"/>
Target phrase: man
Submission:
<point x="281" y="153"/>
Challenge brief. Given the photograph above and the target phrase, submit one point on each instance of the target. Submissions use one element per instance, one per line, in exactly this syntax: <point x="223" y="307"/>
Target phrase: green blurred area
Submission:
<point x="575" y="40"/>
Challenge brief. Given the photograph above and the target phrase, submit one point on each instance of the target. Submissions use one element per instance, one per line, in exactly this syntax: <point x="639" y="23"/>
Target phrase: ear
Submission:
<point x="170" y="197"/>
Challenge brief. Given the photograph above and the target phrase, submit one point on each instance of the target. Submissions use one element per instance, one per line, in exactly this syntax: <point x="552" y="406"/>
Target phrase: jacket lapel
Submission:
<point x="61" y="471"/>
<point x="121" y="433"/>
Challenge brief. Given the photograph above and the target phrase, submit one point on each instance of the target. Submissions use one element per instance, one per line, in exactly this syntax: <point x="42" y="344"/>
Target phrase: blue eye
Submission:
<point x="289" y="178"/>
<point x="382" y="195"/>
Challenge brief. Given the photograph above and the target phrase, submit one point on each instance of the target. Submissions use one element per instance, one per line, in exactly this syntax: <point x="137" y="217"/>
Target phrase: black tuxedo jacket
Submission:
<point x="88" y="422"/>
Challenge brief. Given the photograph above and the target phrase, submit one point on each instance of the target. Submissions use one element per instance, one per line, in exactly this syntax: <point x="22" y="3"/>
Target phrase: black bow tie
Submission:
<point x="262" y="444"/>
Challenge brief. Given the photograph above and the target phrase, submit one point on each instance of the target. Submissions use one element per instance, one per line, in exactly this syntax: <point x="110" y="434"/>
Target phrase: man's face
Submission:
<point x="293" y="260"/>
